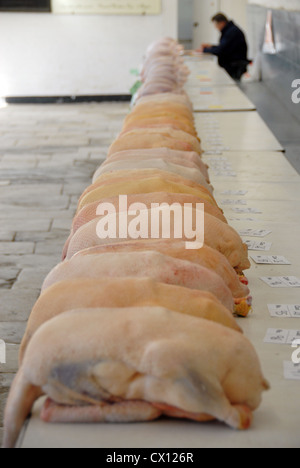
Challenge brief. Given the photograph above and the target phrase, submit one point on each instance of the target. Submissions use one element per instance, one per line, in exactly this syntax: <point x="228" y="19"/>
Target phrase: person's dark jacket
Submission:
<point x="232" y="48"/>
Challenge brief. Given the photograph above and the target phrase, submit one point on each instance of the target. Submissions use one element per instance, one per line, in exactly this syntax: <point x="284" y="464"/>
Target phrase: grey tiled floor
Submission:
<point x="47" y="157"/>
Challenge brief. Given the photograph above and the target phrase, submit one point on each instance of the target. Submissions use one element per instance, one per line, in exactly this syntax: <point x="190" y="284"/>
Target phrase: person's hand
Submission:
<point x="200" y="50"/>
<point x="204" y="46"/>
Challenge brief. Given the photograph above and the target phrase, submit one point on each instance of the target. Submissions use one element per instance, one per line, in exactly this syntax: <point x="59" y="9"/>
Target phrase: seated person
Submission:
<point x="232" y="51"/>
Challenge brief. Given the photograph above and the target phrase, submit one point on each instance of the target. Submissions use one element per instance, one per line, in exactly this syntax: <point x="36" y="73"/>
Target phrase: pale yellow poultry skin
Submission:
<point x="108" y="360"/>
<point x="151" y="181"/>
<point x="217" y="235"/>
<point x="207" y="257"/>
<point x="184" y="158"/>
<point x="129" y="349"/>
<point x="188" y="173"/>
<point x="124" y="292"/>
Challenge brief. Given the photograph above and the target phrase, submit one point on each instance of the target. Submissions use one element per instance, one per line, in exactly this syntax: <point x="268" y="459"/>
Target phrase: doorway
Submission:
<point x="195" y="27"/>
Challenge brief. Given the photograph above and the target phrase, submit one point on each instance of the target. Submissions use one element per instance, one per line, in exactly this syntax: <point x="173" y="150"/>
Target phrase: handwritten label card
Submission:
<point x="270" y="260"/>
<point x="239" y="193"/>
<point x="233" y="202"/>
<point x="247" y="210"/>
<point x="261" y="246"/>
<point x="225" y="174"/>
<point x="291" y="370"/>
<point x="217" y="159"/>
<point x="213" y="152"/>
<point x="245" y="219"/>
<point x="281" y="336"/>
<point x="277" y="336"/>
<point x="284" y="310"/>
<point x="279" y="310"/>
<point x="282" y="281"/>
<point x="254" y="232"/>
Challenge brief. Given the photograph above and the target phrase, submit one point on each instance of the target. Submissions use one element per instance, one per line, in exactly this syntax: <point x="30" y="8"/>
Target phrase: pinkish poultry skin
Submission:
<point x="218" y="235"/>
<point x="153" y="265"/>
<point x="188" y="173"/>
<point x="181" y="158"/>
<point x="206" y="257"/>
<point x="89" y="212"/>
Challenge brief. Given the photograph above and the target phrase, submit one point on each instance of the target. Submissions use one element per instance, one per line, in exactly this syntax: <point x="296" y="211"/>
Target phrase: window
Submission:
<point x="25" y="5"/>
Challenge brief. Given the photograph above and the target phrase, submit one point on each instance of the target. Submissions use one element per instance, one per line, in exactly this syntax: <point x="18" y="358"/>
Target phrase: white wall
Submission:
<point x="236" y="10"/>
<point x="204" y="10"/>
<point x="53" y="55"/>
<point x="293" y="5"/>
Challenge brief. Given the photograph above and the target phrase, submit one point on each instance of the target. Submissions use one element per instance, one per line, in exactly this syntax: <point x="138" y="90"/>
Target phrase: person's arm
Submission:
<point x="225" y="43"/>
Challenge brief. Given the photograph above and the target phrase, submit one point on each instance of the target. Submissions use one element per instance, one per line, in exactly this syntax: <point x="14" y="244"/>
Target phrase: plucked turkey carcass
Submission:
<point x="152" y="108"/>
<point x="218" y="235"/>
<point x="166" y="363"/>
<point x="192" y="174"/>
<point x="163" y="182"/>
<point x="179" y="129"/>
<point x="159" y="110"/>
<point x="89" y="212"/>
<point x="207" y="257"/>
<point x="182" y="158"/>
<point x="131" y="292"/>
<point x="164" y="131"/>
<point x="151" y="264"/>
<point x="129" y="141"/>
<point x="166" y="98"/>
<point x="143" y="186"/>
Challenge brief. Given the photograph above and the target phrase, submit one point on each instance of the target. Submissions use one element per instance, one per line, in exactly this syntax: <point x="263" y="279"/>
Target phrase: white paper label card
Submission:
<point x="262" y="246"/>
<point x="295" y="311"/>
<point x="215" y="158"/>
<point x="245" y="219"/>
<point x="277" y="336"/>
<point x="282" y="281"/>
<point x="270" y="260"/>
<point x="213" y="152"/>
<point x="279" y="310"/>
<point x="293" y="336"/>
<point x="247" y="210"/>
<point x="284" y="310"/>
<point x="261" y="259"/>
<point x="225" y="174"/>
<point x="292" y="281"/>
<point x="282" y="336"/>
<point x="274" y="282"/>
<point x="239" y="193"/>
<point x="234" y="202"/>
<point x="279" y="260"/>
<point x="291" y="370"/>
<point x="254" y="232"/>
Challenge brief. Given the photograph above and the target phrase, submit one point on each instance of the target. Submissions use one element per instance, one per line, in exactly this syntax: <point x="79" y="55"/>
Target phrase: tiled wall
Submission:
<point x="280" y="70"/>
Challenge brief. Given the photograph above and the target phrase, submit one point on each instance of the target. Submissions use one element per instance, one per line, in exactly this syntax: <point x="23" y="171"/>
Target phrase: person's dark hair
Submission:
<point x="219" y="18"/>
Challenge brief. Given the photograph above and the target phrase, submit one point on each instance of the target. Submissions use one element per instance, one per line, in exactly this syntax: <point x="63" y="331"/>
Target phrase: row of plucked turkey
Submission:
<point x="130" y="330"/>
